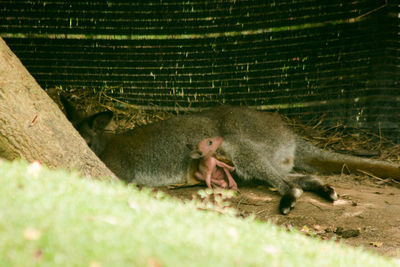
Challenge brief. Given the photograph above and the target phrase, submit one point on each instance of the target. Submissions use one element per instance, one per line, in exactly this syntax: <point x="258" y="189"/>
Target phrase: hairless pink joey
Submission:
<point x="210" y="169"/>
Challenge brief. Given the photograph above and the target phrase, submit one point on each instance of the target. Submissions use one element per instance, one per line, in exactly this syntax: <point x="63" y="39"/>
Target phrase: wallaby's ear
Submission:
<point x="99" y="121"/>
<point x="196" y="154"/>
<point x="72" y="114"/>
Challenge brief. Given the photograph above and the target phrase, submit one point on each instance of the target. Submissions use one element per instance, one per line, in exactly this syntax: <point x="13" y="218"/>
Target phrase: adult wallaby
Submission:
<point x="259" y="144"/>
<point x="209" y="168"/>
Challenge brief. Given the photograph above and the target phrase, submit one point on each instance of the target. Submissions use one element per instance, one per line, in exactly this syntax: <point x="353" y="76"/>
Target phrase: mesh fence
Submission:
<point x="301" y="57"/>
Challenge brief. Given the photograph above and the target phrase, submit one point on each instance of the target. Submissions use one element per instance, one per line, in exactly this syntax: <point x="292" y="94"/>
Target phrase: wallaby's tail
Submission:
<point x="312" y="159"/>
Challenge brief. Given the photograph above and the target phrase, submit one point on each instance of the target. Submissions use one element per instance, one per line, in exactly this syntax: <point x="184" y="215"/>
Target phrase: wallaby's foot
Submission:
<point x="234" y="188"/>
<point x="219" y="183"/>
<point x="288" y="200"/>
<point x="328" y="192"/>
<point x="313" y="184"/>
<point x="233" y="185"/>
<point x="223" y="185"/>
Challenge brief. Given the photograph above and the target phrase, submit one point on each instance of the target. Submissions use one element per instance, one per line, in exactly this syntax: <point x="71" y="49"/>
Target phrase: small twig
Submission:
<point x="344" y="167"/>
<point x="240" y="201"/>
<point x="373" y="176"/>
<point x="246" y="203"/>
<point x="33" y="121"/>
<point x="316" y="206"/>
<point x="319" y="122"/>
<point x="394" y="181"/>
<point x="380" y="136"/>
<point x="261" y="211"/>
<point x="179" y="186"/>
<point x="119" y="101"/>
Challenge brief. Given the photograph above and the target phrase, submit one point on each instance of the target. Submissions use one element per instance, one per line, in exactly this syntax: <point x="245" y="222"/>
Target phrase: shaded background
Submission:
<point x="304" y="58"/>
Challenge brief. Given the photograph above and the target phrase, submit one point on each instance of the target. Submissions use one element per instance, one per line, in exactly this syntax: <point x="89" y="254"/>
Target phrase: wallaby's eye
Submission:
<point x="210" y="143"/>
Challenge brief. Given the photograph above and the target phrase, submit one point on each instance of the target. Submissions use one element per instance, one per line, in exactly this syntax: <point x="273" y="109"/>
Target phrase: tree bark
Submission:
<point x="32" y="127"/>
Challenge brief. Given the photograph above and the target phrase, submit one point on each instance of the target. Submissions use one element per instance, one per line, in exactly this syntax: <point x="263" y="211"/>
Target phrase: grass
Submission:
<point x="55" y="218"/>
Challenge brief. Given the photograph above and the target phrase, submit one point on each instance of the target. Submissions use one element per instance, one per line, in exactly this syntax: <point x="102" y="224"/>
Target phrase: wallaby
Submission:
<point x="210" y="169"/>
<point x="259" y="144"/>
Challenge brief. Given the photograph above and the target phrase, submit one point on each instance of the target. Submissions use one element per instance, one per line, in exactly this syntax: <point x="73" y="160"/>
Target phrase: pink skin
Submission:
<point x="210" y="169"/>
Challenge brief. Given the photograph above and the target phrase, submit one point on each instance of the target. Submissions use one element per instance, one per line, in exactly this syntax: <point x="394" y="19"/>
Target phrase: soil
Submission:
<point x="367" y="213"/>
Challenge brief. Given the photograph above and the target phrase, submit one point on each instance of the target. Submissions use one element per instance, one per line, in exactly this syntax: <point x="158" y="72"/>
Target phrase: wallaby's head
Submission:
<point x="89" y="127"/>
<point x="205" y="148"/>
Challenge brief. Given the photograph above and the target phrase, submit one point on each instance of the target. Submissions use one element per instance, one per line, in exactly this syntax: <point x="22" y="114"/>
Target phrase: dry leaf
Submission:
<point x="34" y="169"/>
<point x="38" y="254"/>
<point x="232" y="232"/>
<point x="94" y="264"/>
<point x="270" y="249"/>
<point x="110" y="220"/>
<point x="32" y="234"/>
<point x="377" y="244"/>
<point x="305" y="229"/>
<point x="154" y="263"/>
<point x="317" y="227"/>
<point x="133" y="205"/>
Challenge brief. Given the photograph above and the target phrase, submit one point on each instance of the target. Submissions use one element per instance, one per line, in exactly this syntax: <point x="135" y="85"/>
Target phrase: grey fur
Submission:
<point x="259" y="144"/>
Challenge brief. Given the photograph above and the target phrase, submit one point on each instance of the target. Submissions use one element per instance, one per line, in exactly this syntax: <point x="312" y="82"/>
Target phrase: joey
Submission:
<point x="210" y="169"/>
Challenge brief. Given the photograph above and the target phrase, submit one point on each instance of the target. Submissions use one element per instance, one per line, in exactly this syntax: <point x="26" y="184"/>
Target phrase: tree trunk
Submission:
<point x="32" y="127"/>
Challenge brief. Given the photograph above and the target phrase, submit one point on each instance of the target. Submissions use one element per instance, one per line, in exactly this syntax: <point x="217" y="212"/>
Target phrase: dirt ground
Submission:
<point x="367" y="213"/>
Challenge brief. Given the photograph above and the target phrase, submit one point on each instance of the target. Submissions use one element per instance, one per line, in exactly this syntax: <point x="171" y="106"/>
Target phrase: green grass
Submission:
<point x="57" y="219"/>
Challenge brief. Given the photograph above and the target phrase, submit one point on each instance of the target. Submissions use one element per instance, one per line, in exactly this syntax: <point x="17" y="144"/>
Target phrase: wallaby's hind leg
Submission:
<point x="313" y="184"/>
<point x="218" y="182"/>
<point x="252" y="165"/>
<point x="262" y="170"/>
<point x="231" y="182"/>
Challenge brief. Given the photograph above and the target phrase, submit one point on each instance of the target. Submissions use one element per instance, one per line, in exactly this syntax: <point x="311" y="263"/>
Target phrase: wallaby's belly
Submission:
<point x="262" y="137"/>
<point x="157" y="154"/>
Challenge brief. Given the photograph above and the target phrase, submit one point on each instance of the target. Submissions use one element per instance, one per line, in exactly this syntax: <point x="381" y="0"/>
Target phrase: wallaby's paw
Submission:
<point x="208" y="183"/>
<point x="219" y="184"/>
<point x="329" y="193"/>
<point x="288" y="200"/>
<point x="234" y="188"/>
<point x="233" y="185"/>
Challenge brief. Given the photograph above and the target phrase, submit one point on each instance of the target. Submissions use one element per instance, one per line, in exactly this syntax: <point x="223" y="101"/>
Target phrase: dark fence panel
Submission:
<point x="303" y="57"/>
